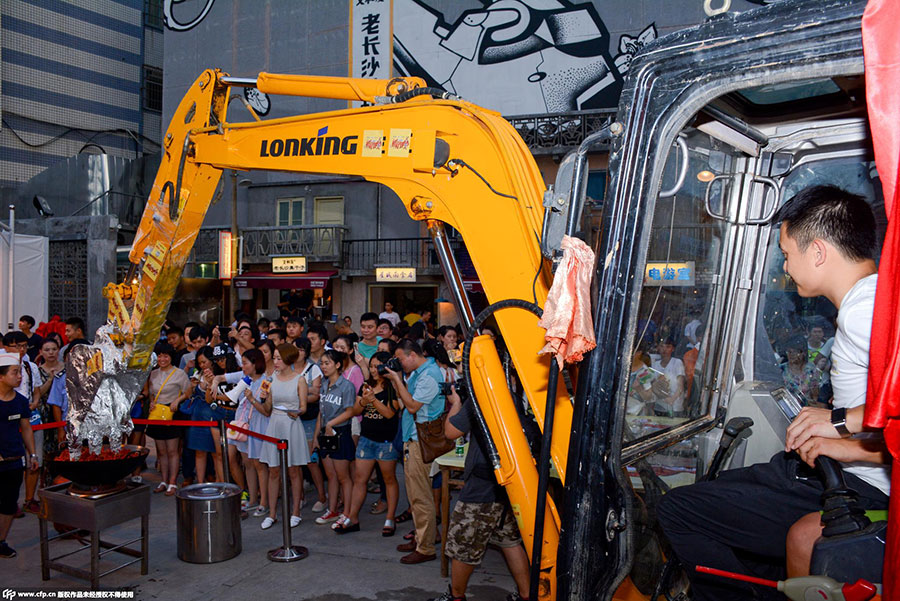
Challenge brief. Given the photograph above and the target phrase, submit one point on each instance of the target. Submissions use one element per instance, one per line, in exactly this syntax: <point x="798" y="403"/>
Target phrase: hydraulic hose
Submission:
<point x="482" y="317"/>
<point x="546" y="439"/>
<point x="435" y="92"/>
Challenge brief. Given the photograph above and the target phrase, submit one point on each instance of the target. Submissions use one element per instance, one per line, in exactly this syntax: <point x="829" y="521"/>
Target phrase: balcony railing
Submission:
<point x="361" y="257"/>
<point x="315" y="242"/>
<point x="558" y="133"/>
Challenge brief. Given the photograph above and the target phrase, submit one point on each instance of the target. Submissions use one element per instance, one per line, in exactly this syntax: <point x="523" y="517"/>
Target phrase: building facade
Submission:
<point x="81" y="108"/>
<point x="554" y="69"/>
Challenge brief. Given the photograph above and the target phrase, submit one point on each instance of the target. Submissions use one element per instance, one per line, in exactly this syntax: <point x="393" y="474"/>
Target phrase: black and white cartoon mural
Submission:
<point x="187" y="23"/>
<point x="539" y="56"/>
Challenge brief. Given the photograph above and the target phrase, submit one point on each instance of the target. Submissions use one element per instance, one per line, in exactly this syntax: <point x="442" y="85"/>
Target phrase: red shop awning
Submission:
<point x="262" y="279"/>
<point x="473" y="285"/>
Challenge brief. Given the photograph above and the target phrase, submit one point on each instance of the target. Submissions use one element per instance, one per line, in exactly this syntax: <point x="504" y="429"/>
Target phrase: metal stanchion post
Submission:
<point x="223" y="442"/>
<point x="286" y="552"/>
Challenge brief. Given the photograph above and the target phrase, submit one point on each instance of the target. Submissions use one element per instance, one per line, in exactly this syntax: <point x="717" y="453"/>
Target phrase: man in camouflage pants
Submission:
<point x="482" y="514"/>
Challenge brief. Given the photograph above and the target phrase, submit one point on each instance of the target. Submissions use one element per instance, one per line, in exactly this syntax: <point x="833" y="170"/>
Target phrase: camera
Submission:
<point x="392" y="364"/>
<point x="460" y="385"/>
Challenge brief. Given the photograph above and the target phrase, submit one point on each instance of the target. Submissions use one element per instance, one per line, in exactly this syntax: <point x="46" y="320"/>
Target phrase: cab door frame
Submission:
<point x="667" y="84"/>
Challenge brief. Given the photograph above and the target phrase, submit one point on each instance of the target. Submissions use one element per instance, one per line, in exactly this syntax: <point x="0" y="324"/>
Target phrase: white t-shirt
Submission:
<point x="850" y="366"/>
<point x="392" y="317"/>
<point x="35" y="379"/>
<point x="672" y="370"/>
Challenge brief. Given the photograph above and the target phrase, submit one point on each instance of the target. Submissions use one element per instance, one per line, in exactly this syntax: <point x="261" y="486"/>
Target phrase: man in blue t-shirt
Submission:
<point x="16" y="438"/>
<point x="422" y="402"/>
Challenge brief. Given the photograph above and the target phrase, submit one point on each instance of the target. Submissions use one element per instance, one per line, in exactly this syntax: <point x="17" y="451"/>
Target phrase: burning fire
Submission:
<point x="105" y="455"/>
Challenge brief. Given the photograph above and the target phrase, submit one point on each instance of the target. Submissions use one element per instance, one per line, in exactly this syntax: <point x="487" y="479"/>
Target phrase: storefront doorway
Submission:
<point x="409" y="298"/>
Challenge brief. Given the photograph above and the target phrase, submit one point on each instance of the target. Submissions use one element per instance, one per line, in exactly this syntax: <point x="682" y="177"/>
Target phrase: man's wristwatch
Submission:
<point x="839" y="421"/>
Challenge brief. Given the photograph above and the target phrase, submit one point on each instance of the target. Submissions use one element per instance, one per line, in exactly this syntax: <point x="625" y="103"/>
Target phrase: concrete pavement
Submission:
<point x="352" y="567"/>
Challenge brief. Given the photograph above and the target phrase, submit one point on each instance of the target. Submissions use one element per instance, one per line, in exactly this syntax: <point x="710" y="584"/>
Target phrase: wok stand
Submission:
<point x="93" y="515"/>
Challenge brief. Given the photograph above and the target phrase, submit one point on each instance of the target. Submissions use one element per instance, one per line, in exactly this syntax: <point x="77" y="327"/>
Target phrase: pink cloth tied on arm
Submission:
<point x="567" y="312"/>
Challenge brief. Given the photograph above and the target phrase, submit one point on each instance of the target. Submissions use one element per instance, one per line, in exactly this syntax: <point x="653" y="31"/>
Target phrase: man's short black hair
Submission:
<point x="410" y="346"/>
<point x="829" y="213"/>
<point x="14" y="337"/>
<point x="303" y="344"/>
<point x="263" y="321"/>
<point x="317" y="328"/>
<point x="191" y="324"/>
<point x="281" y="332"/>
<point x="369" y="316"/>
<point x="385" y="321"/>
<point x="175" y="330"/>
<point x="295" y="320"/>
<point x="28" y="319"/>
<point x="198" y="332"/>
<point x="76" y="322"/>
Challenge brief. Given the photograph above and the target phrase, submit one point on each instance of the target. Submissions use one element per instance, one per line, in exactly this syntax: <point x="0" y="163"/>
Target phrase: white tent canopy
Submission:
<point x="29" y="282"/>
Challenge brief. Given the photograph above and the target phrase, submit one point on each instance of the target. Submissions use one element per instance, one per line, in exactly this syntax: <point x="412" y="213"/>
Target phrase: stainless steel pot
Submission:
<point x="209" y="522"/>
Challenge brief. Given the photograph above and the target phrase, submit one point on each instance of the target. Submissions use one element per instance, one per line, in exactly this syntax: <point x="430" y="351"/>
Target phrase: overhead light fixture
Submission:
<point x="706" y="176"/>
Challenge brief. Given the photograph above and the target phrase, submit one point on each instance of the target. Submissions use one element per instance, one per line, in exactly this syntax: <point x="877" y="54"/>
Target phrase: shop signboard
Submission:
<point x="395" y="274"/>
<point x="226" y="255"/>
<point x="669" y="274"/>
<point x="289" y="264"/>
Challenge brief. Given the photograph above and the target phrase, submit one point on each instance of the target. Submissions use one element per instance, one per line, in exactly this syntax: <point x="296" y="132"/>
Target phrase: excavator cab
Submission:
<point x="718" y="127"/>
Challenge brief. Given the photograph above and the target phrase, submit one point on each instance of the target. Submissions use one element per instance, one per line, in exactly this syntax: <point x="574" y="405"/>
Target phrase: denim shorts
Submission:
<point x="382" y="451"/>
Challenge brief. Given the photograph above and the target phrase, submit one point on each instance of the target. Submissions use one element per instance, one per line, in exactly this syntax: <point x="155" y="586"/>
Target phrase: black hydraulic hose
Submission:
<point x="435" y="92"/>
<point x="493" y="456"/>
<point x="546" y="439"/>
<point x="543" y="482"/>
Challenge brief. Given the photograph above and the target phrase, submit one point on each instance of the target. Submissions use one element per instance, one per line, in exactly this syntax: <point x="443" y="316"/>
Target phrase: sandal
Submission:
<point x="404" y="517"/>
<point x="170" y="491"/>
<point x="389" y="528"/>
<point x="345" y="527"/>
<point x="161" y="487"/>
<point x="378" y="507"/>
<point x="411" y="535"/>
<point x="341" y="521"/>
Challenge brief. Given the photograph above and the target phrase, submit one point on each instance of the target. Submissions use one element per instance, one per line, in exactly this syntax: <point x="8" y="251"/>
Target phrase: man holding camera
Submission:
<point x="423" y="401"/>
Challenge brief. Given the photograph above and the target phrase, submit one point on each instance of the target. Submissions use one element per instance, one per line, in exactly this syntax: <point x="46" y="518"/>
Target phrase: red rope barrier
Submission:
<point x="280" y="445"/>
<point x="179" y="422"/>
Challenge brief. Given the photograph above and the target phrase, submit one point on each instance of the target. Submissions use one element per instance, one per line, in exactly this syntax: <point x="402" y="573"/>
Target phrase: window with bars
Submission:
<point x="153" y="88"/>
<point x="153" y="13"/>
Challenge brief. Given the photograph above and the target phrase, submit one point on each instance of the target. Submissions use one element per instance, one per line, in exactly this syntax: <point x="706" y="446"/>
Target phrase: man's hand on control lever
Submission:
<point x="813" y="421"/>
<point x="810" y="422"/>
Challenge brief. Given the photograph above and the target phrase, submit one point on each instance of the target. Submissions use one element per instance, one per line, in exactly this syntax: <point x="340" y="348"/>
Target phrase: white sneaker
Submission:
<point x="295" y="521"/>
<point x="260" y="511"/>
<point x="267" y="523"/>
<point x="319" y="506"/>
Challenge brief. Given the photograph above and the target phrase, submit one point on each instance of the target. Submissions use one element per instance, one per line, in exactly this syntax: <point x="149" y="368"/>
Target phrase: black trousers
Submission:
<point x="739" y="522"/>
<point x="10" y="486"/>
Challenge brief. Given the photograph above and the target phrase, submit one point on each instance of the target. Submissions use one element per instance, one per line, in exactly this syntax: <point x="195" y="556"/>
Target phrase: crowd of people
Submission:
<point x="347" y="403"/>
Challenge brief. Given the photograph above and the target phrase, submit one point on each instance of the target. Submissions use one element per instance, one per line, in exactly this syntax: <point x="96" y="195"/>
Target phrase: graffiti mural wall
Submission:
<point x="520" y="56"/>
<point x="515" y="56"/>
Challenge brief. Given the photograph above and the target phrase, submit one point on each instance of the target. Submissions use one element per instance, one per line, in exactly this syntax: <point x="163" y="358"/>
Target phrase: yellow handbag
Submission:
<point x="162" y="412"/>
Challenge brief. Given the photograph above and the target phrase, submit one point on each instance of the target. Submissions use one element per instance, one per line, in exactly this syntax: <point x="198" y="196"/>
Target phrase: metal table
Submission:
<point x="93" y="515"/>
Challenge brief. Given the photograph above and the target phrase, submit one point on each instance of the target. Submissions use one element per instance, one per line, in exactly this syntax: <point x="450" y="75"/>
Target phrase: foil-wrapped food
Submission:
<point x="101" y="390"/>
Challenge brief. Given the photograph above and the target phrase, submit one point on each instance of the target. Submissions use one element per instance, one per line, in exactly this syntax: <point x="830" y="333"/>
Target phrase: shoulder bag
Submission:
<point x="432" y="442"/>
<point x="163" y="412"/>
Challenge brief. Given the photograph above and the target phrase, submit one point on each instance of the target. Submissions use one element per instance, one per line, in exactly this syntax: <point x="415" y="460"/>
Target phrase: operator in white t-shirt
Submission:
<point x="828" y="242"/>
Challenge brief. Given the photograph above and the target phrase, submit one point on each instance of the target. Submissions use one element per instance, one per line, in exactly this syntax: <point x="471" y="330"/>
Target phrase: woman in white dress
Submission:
<point x="288" y="391"/>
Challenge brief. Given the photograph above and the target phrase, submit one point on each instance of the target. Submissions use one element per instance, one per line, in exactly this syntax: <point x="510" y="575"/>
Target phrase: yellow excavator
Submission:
<point x="717" y="126"/>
